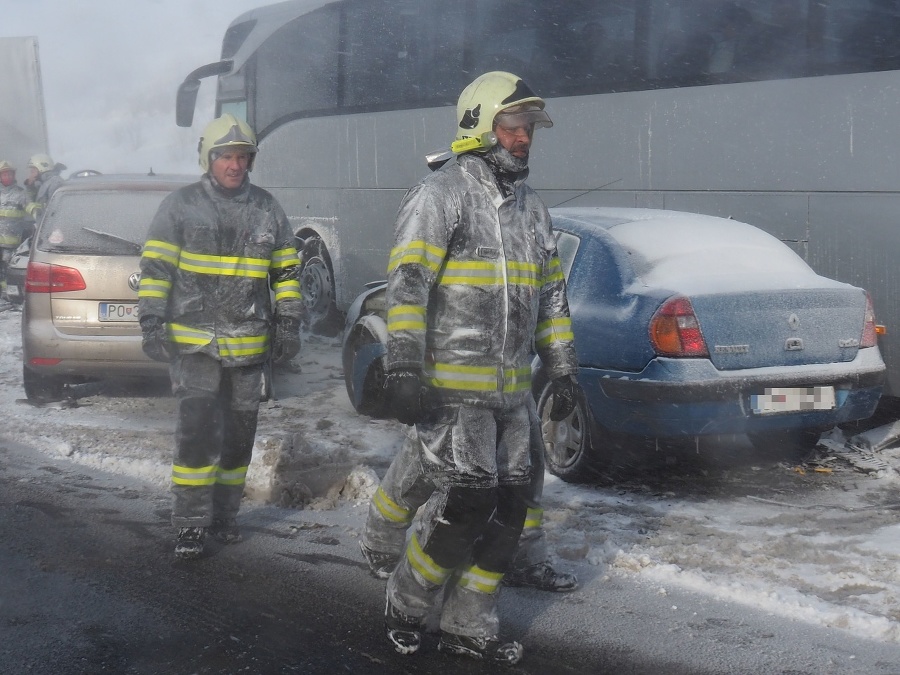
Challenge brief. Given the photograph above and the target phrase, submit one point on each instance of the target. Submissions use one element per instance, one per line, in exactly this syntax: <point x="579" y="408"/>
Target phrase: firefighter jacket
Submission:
<point x="43" y="188"/>
<point x="208" y="264"/>
<point x="475" y="287"/>
<point x="13" y="199"/>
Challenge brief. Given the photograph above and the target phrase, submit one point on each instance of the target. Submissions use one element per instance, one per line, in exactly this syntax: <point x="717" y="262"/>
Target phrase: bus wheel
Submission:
<point x="317" y="287"/>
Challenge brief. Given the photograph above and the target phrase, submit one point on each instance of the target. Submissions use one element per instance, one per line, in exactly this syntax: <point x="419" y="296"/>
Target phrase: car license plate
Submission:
<point x="792" y="399"/>
<point x="118" y="311"/>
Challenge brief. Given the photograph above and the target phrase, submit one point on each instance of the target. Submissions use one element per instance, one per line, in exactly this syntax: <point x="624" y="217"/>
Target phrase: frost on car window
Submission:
<point x="107" y="222"/>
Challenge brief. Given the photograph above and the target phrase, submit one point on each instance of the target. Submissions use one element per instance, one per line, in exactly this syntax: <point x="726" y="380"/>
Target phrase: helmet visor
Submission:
<point x="511" y="118"/>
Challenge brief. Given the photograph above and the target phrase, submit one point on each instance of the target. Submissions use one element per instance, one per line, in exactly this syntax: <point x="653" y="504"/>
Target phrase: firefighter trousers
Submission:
<point x="214" y="435"/>
<point x="478" y="462"/>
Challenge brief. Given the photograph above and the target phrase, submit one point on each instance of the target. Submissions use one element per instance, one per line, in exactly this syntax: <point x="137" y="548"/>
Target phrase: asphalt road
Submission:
<point x="88" y="584"/>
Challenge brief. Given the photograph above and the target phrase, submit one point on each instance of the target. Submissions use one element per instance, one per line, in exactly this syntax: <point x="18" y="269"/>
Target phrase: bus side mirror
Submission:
<point x="186" y="99"/>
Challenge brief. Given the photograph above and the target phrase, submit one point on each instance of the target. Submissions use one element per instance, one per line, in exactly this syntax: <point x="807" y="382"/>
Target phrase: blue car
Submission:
<point x="685" y="325"/>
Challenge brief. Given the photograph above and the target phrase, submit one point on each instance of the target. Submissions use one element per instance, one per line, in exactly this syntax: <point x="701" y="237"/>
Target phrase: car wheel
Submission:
<point x="42" y="388"/>
<point x="371" y="401"/>
<point x="788" y="444"/>
<point x="568" y="451"/>
<point x="317" y="287"/>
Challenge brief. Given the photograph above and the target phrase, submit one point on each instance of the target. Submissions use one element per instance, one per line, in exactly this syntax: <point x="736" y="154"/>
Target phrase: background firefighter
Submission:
<point x="474" y="286"/>
<point x="43" y="180"/>
<point x="13" y="219"/>
<point x="214" y="249"/>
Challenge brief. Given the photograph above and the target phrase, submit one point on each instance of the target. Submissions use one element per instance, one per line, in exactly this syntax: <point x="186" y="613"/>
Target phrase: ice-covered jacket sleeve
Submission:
<point x="284" y="270"/>
<point x="425" y="223"/>
<point x="159" y="260"/>
<point x="554" y="339"/>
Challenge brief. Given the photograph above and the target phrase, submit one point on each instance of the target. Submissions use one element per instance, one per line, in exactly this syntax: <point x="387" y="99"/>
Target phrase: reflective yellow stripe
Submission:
<point x="477" y="579"/>
<point x="554" y="272"/>
<point x="479" y="273"/>
<point x="161" y="250"/>
<point x="154" y="288"/>
<point x="424" y="565"/>
<point x="10" y="240"/>
<point x="12" y="213"/>
<point x="31" y="207"/>
<point x="523" y="273"/>
<point x="284" y="257"/>
<point x="203" y="475"/>
<point x="417" y="253"/>
<point x="477" y="378"/>
<point x="517" y="379"/>
<point x="287" y="289"/>
<point x="243" y="346"/>
<point x="406" y="317"/>
<point x="231" y="476"/>
<point x="391" y="509"/>
<point x="533" y="518"/>
<point x="468" y="378"/>
<point x="189" y="336"/>
<point x="553" y="330"/>
<point x="224" y="265"/>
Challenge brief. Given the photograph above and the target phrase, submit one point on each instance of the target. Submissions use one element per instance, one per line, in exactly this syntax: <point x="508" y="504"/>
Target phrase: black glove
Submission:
<point x="562" y="389"/>
<point x="403" y="391"/>
<point x="287" y="339"/>
<point x="156" y="340"/>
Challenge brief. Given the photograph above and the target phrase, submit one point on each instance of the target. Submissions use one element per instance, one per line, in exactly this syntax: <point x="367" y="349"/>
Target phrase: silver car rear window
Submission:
<point x="113" y="222"/>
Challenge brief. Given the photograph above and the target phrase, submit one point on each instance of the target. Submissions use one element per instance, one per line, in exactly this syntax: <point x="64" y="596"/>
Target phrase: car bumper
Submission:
<point x="681" y="397"/>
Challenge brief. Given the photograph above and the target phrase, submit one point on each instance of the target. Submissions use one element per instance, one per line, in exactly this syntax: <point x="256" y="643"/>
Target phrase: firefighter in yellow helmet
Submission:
<point x="214" y="251"/>
<point x="13" y="220"/>
<point x="474" y="283"/>
<point x="43" y="180"/>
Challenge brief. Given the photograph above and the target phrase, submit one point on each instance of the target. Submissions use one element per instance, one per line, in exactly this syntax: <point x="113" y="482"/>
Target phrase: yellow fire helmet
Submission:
<point x="41" y="162"/>
<point x="485" y="98"/>
<point x="224" y="132"/>
<point x="6" y="166"/>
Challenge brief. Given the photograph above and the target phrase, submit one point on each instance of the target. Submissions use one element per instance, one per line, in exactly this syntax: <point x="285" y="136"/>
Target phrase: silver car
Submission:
<point x="80" y="321"/>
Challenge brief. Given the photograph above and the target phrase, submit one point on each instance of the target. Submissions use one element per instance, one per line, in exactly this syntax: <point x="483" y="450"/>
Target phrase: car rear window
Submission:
<point x="99" y="222"/>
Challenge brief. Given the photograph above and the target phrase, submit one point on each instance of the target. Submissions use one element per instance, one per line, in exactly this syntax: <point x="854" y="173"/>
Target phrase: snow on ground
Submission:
<point x="816" y="546"/>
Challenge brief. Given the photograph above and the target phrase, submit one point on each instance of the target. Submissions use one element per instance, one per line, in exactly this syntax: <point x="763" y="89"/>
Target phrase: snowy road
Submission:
<point x="712" y="564"/>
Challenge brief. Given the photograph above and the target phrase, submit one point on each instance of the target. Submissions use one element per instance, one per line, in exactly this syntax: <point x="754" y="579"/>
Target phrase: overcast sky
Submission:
<point x="110" y="71"/>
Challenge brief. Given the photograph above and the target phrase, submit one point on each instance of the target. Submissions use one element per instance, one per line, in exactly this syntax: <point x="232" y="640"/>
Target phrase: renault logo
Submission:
<point x="794" y="322"/>
<point x="134" y="281"/>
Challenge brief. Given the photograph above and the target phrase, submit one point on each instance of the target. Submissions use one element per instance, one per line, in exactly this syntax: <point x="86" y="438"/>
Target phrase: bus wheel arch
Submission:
<point x="317" y="286"/>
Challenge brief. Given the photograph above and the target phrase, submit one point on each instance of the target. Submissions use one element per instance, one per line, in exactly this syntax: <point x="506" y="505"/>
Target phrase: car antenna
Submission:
<point x="582" y="194"/>
<point x="151" y="172"/>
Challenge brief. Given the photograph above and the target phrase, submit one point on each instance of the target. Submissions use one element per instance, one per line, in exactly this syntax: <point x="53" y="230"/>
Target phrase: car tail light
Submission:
<point x="675" y="331"/>
<point x="870" y="330"/>
<point x="46" y="278"/>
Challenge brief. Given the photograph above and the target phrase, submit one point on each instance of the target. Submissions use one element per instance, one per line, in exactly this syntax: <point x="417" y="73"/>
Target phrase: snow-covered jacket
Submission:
<point x="13" y="199"/>
<point x="43" y="188"/>
<point x="475" y="287"/>
<point x="207" y="266"/>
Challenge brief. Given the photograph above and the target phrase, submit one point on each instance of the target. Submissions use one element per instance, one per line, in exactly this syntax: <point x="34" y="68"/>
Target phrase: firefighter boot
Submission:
<point x="404" y="632"/>
<point x="541" y="576"/>
<point x="483" y="649"/>
<point x="189" y="543"/>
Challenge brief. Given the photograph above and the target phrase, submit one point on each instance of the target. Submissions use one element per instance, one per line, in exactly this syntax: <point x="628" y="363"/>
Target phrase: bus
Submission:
<point x="780" y="113"/>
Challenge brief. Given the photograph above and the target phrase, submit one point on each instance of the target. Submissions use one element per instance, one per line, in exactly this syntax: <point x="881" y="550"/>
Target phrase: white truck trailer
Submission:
<point x="23" y="120"/>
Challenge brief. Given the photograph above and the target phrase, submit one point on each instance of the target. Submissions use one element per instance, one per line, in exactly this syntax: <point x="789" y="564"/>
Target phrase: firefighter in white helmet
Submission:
<point x="13" y="219"/>
<point x="214" y="251"/>
<point x="474" y="285"/>
<point x="43" y="180"/>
